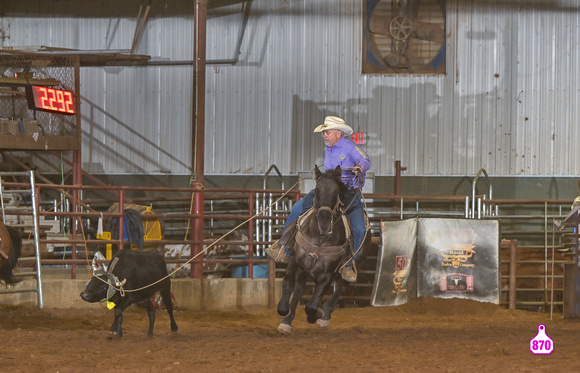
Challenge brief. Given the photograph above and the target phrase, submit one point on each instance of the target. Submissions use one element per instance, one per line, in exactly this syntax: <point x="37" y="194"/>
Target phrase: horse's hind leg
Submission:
<point x="330" y="304"/>
<point x="285" y="326"/>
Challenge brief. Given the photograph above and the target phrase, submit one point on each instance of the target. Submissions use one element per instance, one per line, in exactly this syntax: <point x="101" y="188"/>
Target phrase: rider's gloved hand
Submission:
<point x="357" y="171"/>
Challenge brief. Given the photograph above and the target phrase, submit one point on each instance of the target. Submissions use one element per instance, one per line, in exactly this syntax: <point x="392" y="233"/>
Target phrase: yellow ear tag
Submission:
<point x="110" y="305"/>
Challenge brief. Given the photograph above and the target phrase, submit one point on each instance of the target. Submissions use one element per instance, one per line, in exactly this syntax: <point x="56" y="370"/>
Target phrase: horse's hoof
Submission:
<point x="284" y="329"/>
<point x="313" y="314"/>
<point x="322" y="323"/>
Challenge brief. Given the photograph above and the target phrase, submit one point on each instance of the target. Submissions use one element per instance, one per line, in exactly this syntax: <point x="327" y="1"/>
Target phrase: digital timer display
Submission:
<point x="50" y="99"/>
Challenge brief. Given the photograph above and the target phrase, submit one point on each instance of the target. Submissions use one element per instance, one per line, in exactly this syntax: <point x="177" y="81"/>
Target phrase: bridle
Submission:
<point x="333" y="212"/>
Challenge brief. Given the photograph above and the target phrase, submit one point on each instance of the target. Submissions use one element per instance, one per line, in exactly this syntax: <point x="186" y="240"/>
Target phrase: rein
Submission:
<point x="312" y="249"/>
<point x="367" y="224"/>
<point x="332" y="211"/>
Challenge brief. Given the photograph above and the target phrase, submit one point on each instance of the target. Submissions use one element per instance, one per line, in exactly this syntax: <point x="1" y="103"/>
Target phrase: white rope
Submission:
<point x="120" y="289"/>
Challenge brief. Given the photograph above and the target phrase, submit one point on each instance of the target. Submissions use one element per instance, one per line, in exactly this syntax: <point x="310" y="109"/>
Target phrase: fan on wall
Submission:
<point x="407" y="36"/>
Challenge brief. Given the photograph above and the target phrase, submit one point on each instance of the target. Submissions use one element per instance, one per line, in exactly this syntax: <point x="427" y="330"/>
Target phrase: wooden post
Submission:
<point x="398" y="170"/>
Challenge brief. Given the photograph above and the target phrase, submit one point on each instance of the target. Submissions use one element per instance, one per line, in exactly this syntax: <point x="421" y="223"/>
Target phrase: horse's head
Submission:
<point x="327" y="201"/>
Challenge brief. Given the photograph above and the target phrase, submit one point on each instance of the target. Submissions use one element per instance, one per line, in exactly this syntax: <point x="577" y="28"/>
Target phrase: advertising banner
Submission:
<point x="436" y="257"/>
<point x="396" y="278"/>
<point x="458" y="258"/>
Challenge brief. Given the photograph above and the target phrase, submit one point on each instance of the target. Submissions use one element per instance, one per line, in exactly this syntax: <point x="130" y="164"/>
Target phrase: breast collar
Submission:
<point x="319" y="250"/>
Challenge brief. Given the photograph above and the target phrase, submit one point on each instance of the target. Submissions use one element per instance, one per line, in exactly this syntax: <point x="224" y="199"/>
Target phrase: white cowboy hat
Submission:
<point x="334" y="123"/>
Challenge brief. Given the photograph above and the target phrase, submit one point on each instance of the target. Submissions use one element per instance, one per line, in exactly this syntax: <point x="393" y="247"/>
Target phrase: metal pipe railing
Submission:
<point x="173" y="211"/>
<point x="473" y="185"/>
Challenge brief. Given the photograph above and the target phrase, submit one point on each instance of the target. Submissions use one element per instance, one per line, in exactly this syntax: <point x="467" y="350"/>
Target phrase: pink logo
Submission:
<point x="541" y="344"/>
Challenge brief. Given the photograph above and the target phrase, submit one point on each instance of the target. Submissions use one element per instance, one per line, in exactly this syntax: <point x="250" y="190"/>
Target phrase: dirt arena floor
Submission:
<point x="423" y="335"/>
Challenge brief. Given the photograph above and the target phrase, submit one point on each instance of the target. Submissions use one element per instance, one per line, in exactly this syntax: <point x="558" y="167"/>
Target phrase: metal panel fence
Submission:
<point x="194" y="243"/>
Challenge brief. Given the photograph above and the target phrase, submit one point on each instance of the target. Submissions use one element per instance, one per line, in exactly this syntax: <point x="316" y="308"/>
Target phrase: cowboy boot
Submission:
<point x="277" y="252"/>
<point x="348" y="272"/>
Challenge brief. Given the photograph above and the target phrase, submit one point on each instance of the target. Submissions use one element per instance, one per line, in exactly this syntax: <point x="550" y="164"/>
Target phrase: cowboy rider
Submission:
<point x="341" y="151"/>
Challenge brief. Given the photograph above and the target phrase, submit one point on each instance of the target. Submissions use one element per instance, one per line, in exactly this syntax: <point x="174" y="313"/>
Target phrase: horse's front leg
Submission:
<point x="322" y="284"/>
<point x="285" y="326"/>
<point x="287" y="289"/>
<point x="330" y="304"/>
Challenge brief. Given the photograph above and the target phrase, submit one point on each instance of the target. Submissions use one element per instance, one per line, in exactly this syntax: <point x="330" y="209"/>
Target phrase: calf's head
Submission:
<point x="97" y="287"/>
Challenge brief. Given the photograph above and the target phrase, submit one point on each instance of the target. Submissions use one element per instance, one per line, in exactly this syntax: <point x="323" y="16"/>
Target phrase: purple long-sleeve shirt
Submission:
<point x="346" y="153"/>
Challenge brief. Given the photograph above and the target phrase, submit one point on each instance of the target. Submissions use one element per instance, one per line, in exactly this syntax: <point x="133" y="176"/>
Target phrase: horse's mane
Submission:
<point x="337" y="176"/>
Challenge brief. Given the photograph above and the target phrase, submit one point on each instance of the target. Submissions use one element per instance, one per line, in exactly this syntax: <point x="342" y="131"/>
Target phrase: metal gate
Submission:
<point x="21" y="212"/>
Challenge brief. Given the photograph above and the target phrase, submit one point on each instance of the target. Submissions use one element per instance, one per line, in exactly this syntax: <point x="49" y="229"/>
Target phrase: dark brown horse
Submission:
<point x="10" y="249"/>
<point x="322" y="246"/>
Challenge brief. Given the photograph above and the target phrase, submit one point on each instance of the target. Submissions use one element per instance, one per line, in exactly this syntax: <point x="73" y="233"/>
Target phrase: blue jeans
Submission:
<point x="355" y="215"/>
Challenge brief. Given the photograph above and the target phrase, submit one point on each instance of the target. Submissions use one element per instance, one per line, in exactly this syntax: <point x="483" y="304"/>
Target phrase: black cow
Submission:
<point x="130" y="270"/>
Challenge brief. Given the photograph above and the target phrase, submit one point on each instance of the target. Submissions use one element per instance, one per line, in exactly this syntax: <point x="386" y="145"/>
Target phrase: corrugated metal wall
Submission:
<point x="509" y="102"/>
